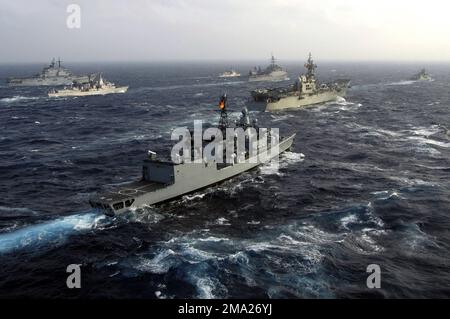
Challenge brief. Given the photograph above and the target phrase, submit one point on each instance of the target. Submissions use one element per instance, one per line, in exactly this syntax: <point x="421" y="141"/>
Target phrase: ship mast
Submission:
<point x="310" y="66"/>
<point x="272" y="60"/>
<point x="223" y="121"/>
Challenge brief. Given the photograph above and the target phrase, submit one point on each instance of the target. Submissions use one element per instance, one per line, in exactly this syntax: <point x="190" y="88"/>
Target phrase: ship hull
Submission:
<point x="64" y="93"/>
<point x="229" y="76"/>
<point x="56" y="81"/>
<point x="272" y="77"/>
<point x="294" y="102"/>
<point x="421" y="78"/>
<point x="196" y="176"/>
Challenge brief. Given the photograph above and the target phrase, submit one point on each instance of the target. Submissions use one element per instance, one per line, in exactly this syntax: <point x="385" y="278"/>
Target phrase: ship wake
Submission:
<point x="48" y="234"/>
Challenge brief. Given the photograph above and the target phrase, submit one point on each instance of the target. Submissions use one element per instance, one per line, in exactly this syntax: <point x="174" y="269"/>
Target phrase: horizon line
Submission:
<point x="219" y="60"/>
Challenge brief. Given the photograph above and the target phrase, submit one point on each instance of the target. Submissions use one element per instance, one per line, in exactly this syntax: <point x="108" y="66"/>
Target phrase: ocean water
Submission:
<point x="373" y="188"/>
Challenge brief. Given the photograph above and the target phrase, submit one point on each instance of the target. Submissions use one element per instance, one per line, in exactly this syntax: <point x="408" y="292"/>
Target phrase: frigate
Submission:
<point x="422" y="76"/>
<point x="164" y="180"/>
<point x="229" y="74"/>
<point x="52" y="75"/>
<point x="305" y="91"/>
<point x="95" y="86"/>
<point x="273" y="73"/>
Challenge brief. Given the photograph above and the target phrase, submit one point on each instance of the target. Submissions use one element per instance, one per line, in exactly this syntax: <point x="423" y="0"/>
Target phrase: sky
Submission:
<point x="229" y="30"/>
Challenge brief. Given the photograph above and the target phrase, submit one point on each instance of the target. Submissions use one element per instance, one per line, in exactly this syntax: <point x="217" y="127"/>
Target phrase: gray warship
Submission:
<point x="272" y="73"/>
<point x="164" y="180"/>
<point x="52" y="75"/>
<point x="422" y="76"/>
<point x="305" y="91"/>
<point x="95" y="86"/>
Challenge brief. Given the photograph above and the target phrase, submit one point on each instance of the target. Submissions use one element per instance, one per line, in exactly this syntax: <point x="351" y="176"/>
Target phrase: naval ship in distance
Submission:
<point x="52" y="75"/>
<point x="95" y="86"/>
<point x="273" y="73"/>
<point x="306" y="91"/>
<point x="230" y="74"/>
<point x="421" y="76"/>
<point x="163" y="180"/>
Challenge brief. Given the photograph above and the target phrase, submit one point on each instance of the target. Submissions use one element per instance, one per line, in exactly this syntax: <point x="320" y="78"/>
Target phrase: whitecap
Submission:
<point x="425" y="131"/>
<point x="213" y="239"/>
<point x="193" y="197"/>
<point x="350" y="219"/>
<point x="209" y="288"/>
<point x="424" y="140"/>
<point x="222" y="221"/>
<point x="52" y="232"/>
<point x="17" y="98"/>
<point x="403" y="82"/>
<point x="160" y="264"/>
<point x="284" y="117"/>
<point x="18" y="210"/>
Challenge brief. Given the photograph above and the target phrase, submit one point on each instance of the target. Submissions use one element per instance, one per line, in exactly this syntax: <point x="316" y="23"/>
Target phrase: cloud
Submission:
<point x="226" y="29"/>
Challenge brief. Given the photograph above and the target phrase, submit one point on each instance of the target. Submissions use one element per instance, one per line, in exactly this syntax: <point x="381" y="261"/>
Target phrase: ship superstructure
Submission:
<point x="305" y="91"/>
<point x="422" y="76"/>
<point x="273" y="73"/>
<point x="52" y="75"/>
<point x="230" y="74"/>
<point x="95" y="86"/>
<point x="163" y="180"/>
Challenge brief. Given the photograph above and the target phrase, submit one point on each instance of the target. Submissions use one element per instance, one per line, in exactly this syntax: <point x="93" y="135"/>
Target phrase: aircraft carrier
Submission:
<point x="306" y="91"/>
<point x="163" y="180"/>
<point x="52" y="75"/>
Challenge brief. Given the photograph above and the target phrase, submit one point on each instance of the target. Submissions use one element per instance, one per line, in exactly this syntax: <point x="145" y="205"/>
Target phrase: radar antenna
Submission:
<point x="310" y="66"/>
<point x="272" y="60"/>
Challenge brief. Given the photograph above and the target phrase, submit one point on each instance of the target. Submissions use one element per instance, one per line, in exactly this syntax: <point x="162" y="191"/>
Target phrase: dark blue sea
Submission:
<point x="373" y="188"/>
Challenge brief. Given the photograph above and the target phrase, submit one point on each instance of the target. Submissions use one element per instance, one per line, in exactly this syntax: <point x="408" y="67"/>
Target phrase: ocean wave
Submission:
<point x="17" y="98"/>
<point x="184" y="86"/>
<point x="209" y="287"/>
<point x="17" y="211"/>
<point x="159" y="264"/>
<point x="415" y="240"/>
<point x="410" y="181"/>
<point x="284" y="117"/>
<point x="222" y="221"/>
<point x="384" y="195"/>
<point x="48" y="234"/>
<point x="424" y="131"/>
<point x="213" y="239"/>
<point x="187" y="198"/>
<point x="145" y="215"/>
<point x="363" y="243"/>
<point x="424" y="140"/>
<point x="403" y="82"/>
<point x="286" y="159"/>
